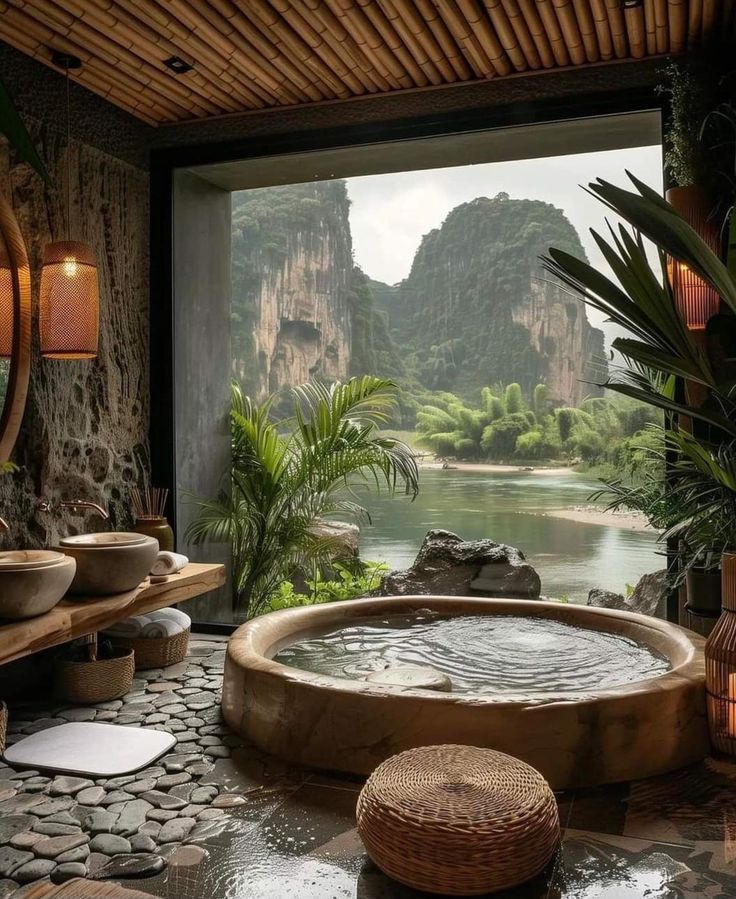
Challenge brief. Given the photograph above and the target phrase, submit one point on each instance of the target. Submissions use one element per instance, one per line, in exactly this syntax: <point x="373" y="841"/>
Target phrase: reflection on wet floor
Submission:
<point x="286" y="833"/>
<point x="647" y="840"/>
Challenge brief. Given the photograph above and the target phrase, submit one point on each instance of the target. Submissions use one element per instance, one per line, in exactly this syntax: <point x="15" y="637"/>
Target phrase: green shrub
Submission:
<point x="347" y="582"/>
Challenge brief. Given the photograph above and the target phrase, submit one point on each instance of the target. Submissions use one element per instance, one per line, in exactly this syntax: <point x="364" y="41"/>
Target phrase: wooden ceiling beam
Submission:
<point x="491" y="45"/>
<point x="108" y="19"/>
<point x="602" y="28"/>
<point x="333" y="53"/>
<point x="506" y="34"/>
<point x="523" y="34"/>
<point x="246" y="60"/>
<point x="356" y="23"/>
<point x="428" y="11"/>
<point x="336" y="34"/>
<point x="290" y="44"/>
<point x="464" y="37"/>
<point x="584" y="16"/>
<point x="209" y="76"/>
<point x="260" y="54"/>
<point x="94" y="70"/>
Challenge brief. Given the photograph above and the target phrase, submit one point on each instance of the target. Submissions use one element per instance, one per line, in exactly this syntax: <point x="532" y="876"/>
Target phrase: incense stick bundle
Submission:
<point x="149" y="502"/>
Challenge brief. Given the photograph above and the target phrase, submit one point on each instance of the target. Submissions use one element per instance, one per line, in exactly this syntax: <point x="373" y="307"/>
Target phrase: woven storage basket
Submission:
<point x="157" y="652"/>
<point x="96" y="681"/>
<point x="458" y="820"/>
<point x="3" y="725"/>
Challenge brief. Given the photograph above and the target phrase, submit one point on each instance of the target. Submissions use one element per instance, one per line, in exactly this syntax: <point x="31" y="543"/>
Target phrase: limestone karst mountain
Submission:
<point x="474" y="310"/>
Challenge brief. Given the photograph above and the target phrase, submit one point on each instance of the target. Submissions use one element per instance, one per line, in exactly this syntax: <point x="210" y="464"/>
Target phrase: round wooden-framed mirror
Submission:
<point x="15" y="328"/>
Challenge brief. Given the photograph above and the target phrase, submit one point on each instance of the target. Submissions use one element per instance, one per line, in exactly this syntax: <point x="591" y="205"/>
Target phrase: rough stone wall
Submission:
<point x="85" y="431"/>
<point x="560" y="332"/>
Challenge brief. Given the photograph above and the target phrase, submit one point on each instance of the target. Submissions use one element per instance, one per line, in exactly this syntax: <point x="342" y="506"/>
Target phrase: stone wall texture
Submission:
<point x="85" y="432"/>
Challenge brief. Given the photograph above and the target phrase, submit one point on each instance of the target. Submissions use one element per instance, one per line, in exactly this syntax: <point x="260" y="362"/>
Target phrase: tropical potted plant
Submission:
<point x="12" y="127"/>
<point x="697" y="558"/>
<point x="702" y="437"/>
<point x="660" y="351"/>
<point x="288" y="475"/>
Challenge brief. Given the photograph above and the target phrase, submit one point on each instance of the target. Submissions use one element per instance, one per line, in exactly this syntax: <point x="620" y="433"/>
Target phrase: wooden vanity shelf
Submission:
<point x="73" y="617"/>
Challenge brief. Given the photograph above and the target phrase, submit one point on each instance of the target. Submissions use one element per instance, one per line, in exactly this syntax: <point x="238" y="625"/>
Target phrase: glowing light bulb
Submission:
<point x="70" y="267"/>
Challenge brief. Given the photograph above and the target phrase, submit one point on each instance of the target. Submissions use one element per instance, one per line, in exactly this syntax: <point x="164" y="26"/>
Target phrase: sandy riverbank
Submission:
<point x="630" y="521"/>
<point x="491" y="467"/>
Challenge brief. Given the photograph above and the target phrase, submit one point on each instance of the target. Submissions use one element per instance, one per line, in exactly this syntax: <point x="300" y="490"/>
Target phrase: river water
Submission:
<point x="508" y="507"/>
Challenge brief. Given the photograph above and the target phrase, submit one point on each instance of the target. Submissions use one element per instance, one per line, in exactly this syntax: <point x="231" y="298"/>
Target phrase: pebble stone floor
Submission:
<point x="216" y="818"/>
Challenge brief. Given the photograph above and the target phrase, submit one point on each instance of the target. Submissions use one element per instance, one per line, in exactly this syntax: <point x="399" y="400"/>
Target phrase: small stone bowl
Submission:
<point x="33" y="581"/>
<point x="109" y="563"/>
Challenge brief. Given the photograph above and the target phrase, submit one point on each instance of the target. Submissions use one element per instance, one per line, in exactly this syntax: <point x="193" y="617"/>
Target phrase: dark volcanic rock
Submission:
<point x="606" y="599"/>
<point x="650" y="594"/>
<point x="447" y="565"/>
<point x="649" y="597"/>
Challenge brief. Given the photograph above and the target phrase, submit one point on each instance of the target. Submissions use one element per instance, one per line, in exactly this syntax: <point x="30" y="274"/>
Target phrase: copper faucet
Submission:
<point x="76" y="506"/>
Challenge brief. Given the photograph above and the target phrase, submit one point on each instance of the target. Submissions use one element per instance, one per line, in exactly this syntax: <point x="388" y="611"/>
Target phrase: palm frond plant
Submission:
<point x="699" y="500"/>
<point x="13" y="128"/>
<point x="287" y="476"/>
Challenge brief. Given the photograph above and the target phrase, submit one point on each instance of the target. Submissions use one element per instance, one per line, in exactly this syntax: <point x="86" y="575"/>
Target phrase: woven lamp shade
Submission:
<point x="7" y="305"/>
<point x="696" y="301"/>
<point x="69" y="314"/>
<point x="720" y="664"/>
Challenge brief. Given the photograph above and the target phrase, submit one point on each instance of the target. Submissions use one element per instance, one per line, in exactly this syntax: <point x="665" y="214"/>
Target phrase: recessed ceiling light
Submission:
<point x="178" y="65"/>
<point x="66" y="61"/>
<point x="630" y="4"/>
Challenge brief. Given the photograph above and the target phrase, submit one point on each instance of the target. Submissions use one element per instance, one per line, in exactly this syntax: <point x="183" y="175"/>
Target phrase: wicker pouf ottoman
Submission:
<point x="458" y="820"/>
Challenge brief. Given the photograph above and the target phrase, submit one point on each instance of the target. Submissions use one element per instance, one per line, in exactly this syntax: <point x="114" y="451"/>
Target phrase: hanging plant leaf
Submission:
<point x="11" y="125"/>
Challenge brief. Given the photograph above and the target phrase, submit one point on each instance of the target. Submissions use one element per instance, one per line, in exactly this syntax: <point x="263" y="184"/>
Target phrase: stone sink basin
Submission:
<point x="33" y="581"/>
<point x="109" y="563"/>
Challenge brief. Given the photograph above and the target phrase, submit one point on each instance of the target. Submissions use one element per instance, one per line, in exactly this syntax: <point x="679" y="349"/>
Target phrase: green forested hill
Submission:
<point x="473" y="311"/>
<point x="476" y="310"/>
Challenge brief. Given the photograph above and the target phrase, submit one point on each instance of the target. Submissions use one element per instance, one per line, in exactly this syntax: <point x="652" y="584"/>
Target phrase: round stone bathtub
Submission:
<point x="575" y="739"/>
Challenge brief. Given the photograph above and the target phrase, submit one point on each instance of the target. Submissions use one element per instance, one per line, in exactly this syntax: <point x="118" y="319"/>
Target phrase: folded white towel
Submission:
<point x="164" y="627"/>
<point x="169" y="563"/>
<point x="129" y="628"/>
<point x="181" y="618"/>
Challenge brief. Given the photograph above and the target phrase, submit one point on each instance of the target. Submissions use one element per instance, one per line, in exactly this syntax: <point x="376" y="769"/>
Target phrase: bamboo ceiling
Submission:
<point x="258" y="54"/>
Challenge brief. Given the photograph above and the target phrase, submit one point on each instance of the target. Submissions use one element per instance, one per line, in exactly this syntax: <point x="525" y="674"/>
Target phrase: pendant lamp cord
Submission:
<point x="68" y="160"/>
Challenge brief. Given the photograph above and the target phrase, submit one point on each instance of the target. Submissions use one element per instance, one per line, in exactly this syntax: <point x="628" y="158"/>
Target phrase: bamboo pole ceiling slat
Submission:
<point x="261" y="54"/>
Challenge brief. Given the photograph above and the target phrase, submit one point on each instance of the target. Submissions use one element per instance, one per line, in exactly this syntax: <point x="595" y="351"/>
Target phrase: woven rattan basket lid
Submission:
<point x="457" y="786"/>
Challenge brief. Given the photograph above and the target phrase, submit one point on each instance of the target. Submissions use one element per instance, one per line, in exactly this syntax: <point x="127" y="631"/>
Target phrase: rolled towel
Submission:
<point x="181" y="618"/>
<point x="130" y="628"/>
<point x="164" y="627"/>
<point x="169" y="563"/>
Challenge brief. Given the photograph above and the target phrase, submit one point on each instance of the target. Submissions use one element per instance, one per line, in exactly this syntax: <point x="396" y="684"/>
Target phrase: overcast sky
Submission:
<point x="389" y="214"/>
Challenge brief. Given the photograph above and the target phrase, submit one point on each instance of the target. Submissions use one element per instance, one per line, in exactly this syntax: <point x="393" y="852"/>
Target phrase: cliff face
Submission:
<point x="474" y="311"/>
<point x="476" y="308"/>
<point x="292" y="272"/>
<point x="572" y="352"/>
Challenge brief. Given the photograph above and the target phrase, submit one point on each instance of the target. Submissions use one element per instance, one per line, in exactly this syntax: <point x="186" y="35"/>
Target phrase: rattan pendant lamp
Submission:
<point x="69" y="309"/>
<point x="7" y="304"/>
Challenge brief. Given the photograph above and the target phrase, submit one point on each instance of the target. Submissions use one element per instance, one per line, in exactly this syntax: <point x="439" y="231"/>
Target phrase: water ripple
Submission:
<point x="499" y="654"/>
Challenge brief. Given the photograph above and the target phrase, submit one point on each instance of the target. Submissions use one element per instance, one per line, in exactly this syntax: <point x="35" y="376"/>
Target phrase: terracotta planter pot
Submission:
<point x="695" y="300"/>
<point x="704" y="591"/>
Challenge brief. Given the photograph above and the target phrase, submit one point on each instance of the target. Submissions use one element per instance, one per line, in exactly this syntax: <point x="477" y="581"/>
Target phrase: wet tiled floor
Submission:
<point x="290" y="834"/>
